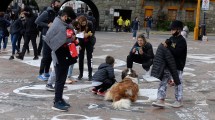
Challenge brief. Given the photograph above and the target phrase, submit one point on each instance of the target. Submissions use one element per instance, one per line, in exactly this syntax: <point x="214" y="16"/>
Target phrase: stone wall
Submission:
<point x="210" y="16"/>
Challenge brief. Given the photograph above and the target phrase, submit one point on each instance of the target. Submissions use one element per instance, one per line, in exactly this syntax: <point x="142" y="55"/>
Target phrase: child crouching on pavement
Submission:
<point x="177" y="46"/>
<point x="104" y="78"/>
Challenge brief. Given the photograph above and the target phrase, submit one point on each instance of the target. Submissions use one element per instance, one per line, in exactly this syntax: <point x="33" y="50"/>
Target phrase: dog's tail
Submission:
<point x="108" y="96"/>
<point x="122" y="103"/>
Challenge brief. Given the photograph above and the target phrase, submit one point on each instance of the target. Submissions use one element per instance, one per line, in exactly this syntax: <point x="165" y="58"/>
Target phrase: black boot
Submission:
<point x="80" y="76"/>
<point x="20" y="56"/>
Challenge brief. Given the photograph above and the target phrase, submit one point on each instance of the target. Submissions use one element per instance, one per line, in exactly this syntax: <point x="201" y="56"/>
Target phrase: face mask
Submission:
<point x="83" y="27"/>
<point x="68" y="21"/>
<point x="56" y="8"/>
<point x="175" y="34"/>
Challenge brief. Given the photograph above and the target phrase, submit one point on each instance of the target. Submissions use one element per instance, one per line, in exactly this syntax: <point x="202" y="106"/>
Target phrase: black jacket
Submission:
<point x="147" y="51"/>
<point x="164" y="59"/>
<point x="105" y="71"/>
<point x="178" y="47"/>
<point x="4" y="24"/>
<point x="16" y="27"/>
<point x="45" y="18"/>
<point x="29" y="25"/>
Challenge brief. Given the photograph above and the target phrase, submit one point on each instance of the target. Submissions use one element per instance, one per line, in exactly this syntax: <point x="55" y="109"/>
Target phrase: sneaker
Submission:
<point x="60" y="106"/>
<point x="36" y="58"/>
<point x="65" y="103"/>
<point x="101" y="93"/>
<point x="42" y="78"/>
<point x="94" y="90"/>
<point x="177" y="104"/>
<point x="47" y="75"/>
<point x="90" y="78"/>
<point x="11" y="58"/>
<point x="159" y="103"/>
<point x="50" y="87"/>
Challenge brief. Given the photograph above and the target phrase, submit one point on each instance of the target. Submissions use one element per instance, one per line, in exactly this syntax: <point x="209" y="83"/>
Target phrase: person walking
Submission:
<point x="30" y="34"/>
<point x="135" y="25"/>
<point x="4" y="24"/>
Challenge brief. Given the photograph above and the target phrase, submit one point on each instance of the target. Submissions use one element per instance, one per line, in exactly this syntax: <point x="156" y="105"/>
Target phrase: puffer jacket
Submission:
<point x="105" y="71"/>
<point x="163" y="59"/>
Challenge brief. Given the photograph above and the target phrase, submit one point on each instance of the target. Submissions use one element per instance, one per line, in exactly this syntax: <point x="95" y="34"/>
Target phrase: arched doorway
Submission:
<point x="93" y="9"/>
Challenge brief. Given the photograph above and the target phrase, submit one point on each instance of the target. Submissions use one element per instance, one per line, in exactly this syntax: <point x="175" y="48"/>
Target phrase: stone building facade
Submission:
<point x="107" y="11"/>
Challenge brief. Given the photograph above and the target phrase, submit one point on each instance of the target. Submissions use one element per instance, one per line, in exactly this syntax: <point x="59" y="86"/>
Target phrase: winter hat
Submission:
<point x="176" y="25"/>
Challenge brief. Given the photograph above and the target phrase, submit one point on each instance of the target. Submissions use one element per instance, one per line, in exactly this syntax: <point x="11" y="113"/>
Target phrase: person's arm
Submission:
<point x="149" y="52"/>
<point x="42" y="19"/>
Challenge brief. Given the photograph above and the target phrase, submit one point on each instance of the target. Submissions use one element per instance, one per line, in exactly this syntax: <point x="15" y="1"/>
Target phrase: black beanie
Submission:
<point x="176" y="25"/>
<point x="68" y="11"/>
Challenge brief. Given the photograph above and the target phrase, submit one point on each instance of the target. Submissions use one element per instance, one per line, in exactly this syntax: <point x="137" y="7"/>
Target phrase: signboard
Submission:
<point x="111" y="10"/>
<point x="116" y="14"/>
<point x="205" y="4"/>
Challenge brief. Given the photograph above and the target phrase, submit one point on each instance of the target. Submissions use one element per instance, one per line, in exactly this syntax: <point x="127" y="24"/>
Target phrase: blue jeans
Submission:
<point x="134" y="33"/>
<point x="69" y="74"/>
<point x="1" y="37"/>
<point x="14" y="38"/>
<point x="5" y="40"/>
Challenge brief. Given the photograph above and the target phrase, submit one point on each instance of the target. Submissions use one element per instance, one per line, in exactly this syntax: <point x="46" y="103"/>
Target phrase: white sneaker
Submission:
<point x="177" y="104"/>
<point x="159" y="103"/>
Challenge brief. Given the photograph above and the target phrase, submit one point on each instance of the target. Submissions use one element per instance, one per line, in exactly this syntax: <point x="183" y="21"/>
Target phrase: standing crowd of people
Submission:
<point x="62" y="30"/>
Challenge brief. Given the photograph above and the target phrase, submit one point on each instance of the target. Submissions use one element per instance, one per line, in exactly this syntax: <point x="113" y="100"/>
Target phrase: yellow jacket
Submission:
<point x="120" y="21"/>
<point x="127" y="22"/>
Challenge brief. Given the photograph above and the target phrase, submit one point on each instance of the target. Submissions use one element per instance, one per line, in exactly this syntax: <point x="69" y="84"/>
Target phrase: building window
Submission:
<point x="172" y="13"/>
<point x="189" y="16"/>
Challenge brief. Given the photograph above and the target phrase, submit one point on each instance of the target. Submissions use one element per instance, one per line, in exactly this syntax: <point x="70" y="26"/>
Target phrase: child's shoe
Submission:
<point x="101" y="93"/>
<point x="94" y="90"/>
<point x="159" y="103"/>
<point x="177" y="104"/>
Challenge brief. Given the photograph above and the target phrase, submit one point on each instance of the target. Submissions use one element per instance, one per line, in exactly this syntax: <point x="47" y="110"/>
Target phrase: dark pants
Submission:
<point x="19" y="42"/>
<point x="89" y="50"/>
<point x="40" y="44"/>
<point x="138" y="59"/>
<point x="27" y="38"/>
<point x="61" y="74"/>
<point x="46" y="60"/>
<point x="105" y="85"/>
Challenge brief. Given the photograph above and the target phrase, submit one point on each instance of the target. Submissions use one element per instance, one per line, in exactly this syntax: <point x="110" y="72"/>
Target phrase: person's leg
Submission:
<point x="61" y="74"/>
<point x="106" y="85"/>
<point x="89" y="49"/>
<point x="1" y="37"/>
<point x="34" y="44"/>
<point x="69" y="74"/>
<point x="40" y="45"/>
<point x="133" y="58"/>
<point x="179" y="92"/>
<point x="26" y="42"/>
<point x="14" y="38"/>
<point x="5" y="39"/>
<point x="146" y="64"/>
<point x="134" y="34"/>
<point x="81" y="61"/>
<point x="161" y="95"/>
<point x="19" y="42"/>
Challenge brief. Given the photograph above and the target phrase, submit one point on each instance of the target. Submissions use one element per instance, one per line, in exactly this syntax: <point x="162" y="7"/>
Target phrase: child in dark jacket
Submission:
<point x="178" y="47"/>
<point x="104" y="78"/>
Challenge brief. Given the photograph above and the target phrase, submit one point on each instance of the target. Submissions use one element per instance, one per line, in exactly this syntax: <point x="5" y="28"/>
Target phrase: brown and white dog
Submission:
<point x="124" y="92"/>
